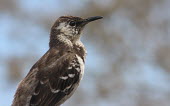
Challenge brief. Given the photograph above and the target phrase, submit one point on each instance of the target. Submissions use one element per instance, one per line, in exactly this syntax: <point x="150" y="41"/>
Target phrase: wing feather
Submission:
<point x="56" y="83"/>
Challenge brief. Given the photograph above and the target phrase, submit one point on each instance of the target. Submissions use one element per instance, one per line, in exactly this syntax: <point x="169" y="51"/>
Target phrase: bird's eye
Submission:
<point x="72" y="23"/>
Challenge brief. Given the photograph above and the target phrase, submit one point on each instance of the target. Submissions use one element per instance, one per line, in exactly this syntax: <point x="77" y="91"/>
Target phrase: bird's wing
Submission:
<point x="56" y="80"/>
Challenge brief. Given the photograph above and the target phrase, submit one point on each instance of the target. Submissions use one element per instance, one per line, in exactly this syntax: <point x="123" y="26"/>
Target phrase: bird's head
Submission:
<point x="69" y="27"/>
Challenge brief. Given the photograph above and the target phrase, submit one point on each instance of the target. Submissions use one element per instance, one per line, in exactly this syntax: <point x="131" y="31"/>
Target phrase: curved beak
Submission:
<point x="90" y="19"/>
<point x="87" y="20"/>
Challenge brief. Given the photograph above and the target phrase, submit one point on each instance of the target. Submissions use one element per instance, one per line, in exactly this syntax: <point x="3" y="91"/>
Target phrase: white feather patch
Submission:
<point x="65" y="28"/>
<point x="80" y="60"/>
<point x="64" y="78"/>
<point x="55" y="91"/>
<point x="41" y="82"/>
<point x="70" y="67"/>
<point x="71" y="75"/>
<point x="78" y="69"/>
<point x="66" y="88"/>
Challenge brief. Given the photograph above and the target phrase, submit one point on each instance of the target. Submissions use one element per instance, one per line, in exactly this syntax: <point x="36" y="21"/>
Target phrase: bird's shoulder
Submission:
<point x="52" y="56"/>
<point x="53" y="59"/>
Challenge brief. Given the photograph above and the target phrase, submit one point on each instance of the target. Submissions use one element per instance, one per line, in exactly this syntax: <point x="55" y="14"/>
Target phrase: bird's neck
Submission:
<point x="58" y="39"/>
<point x="80" y="49"/>
<point x="62" y="43"/>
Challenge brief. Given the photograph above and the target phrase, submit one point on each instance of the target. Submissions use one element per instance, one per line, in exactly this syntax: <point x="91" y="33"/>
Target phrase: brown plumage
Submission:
<point x="56" y="75"/>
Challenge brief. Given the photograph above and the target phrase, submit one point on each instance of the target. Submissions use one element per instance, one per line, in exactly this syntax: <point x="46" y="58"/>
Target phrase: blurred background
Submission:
<point x="128" y="61"/>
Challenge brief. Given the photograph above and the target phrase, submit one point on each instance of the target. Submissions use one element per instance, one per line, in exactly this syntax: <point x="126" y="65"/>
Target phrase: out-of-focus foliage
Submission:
<point x="128" y="61"/>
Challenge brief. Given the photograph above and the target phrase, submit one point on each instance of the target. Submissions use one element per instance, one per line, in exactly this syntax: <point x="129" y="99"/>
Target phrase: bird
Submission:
<point x="56" y="75"/>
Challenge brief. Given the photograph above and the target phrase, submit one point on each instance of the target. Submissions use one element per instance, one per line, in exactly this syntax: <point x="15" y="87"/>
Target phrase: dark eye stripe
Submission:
<point x="72" y="23"/>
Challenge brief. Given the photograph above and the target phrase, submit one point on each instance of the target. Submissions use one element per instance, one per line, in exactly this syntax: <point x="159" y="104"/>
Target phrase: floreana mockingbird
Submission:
<point x="57" y="74"/>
